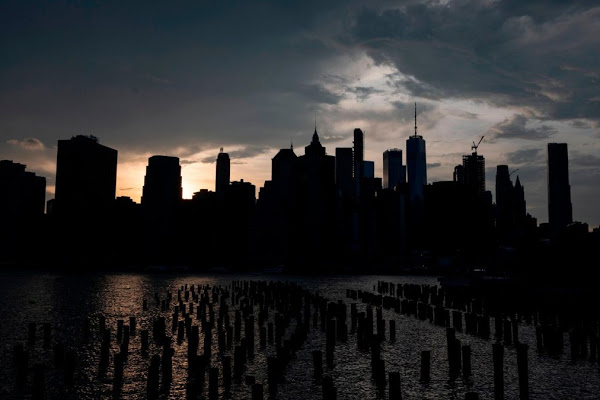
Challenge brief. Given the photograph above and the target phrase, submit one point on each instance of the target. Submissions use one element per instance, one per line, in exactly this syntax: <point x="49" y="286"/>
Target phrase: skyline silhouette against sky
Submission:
<point x="152" y="79"/>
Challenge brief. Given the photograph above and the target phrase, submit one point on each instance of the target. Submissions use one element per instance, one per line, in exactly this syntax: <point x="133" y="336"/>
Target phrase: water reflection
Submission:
<point x="76" y="305"/>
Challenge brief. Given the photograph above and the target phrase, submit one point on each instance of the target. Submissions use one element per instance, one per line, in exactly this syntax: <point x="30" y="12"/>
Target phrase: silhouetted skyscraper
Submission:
<point x="505" y="200"/>
<point x="344" y="167"/>
<point x="315" y="177"/>
<point x="474" y="172"/>
<point x="358" y="153"/>
<point x="368" y="169"/>
<point x="22" y="198"/>
<point x="560" y="209"/>
<point x="160" y="200"/>
<point x="416" y="166"/>
<point x="22" y="193"/>
<point x="223" y="174"/>
<point x="86" y="176"/>
<point x="162" y="183"/>
<point x="393" y="170"/>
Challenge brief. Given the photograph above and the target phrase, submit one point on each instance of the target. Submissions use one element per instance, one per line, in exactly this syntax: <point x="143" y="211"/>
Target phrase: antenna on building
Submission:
<point x="292" y="144"/>
<point x="221" y="150"/>
<point x="415" y="119"/>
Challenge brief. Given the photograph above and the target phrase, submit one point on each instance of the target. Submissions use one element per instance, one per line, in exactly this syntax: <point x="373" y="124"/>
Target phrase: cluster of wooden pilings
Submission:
<point x="220" y="331"/>
<point x="430" y="303"/>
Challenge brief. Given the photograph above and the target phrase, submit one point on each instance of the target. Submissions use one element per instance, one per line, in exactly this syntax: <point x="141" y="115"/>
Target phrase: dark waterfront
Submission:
<point x="65" y="302"/>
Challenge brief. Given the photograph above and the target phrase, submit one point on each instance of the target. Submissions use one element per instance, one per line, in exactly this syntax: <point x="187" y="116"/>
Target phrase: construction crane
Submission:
<point x="513" y="171"/>
<point x="475" y="146"/>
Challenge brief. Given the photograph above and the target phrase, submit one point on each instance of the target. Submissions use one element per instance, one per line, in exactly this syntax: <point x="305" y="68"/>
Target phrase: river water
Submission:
<point x="66" y="301"/>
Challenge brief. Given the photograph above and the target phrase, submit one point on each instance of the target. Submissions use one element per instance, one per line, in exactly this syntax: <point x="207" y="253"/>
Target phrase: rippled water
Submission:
<point x="66" y="301"/>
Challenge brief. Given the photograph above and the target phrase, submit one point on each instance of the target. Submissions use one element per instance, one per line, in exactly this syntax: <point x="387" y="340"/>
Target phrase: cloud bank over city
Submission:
<point x="152" y="78"/>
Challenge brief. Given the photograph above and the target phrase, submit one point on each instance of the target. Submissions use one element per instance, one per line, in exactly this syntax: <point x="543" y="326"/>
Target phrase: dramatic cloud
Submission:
<point x="153" y="78"/>
<point x="187" y="162"/>
<point x="523" y="156"/>
<point x="318" y="94"/>
<point x="584" y="160"/>
<point x="246" y="152"/>
<point x="516" y="127"/>
<point x="362" y="93"/>
<point x="28" y="144"/>
<point x="496" y="51"/>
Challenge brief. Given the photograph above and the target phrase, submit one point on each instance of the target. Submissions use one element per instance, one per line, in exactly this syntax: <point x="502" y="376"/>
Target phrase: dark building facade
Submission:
<point x="315" y="190"/>
<point x="22" y="200"/>
<point x="223" y="174"/>
<point x="416" y="169"/>
<point x="344" y="167"/>
<point x="162" y="182"/>
<point x="161" y="201"/>
<point x="560" y="209"/>
<point x="393" y="170"/>
<point x="86" y="176"/>
<point x="474" y="172"/>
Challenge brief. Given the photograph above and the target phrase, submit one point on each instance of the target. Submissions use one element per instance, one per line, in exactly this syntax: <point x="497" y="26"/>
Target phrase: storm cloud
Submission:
<point x="154" y="78"/>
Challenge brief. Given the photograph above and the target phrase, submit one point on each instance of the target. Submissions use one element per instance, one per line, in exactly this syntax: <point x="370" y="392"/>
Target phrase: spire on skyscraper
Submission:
<point x="415" y="119"/>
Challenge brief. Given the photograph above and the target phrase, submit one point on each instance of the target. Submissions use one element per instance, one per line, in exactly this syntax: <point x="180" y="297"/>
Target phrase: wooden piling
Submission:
<point x="395" y="389"/>
<point x="425" y="366"/>
<point x="498" y="357"/>
<point x="523" y="368"/>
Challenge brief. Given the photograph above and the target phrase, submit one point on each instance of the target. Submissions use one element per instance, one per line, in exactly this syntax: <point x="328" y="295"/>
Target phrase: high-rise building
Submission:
<point x="162" y="183"/>
<point x="22" y="193"/>
<point x="358" y="153"/>
<point x="560" y="209"/>
<point x="520" y="203"/>
<point x="393" y="170"/>
<point x="86" y="176"/>
<point x="416" y="165"/>
<point x="368" y="169"/>
<point x="315" y="194"/>
<point x="223" y="173"/>
<point x="504" y="187"/>
<point x="474" y="172"/>
<point x="161" y="199"/>
<point x="505" y="200"/>
<point x="344" y="167"/>
<point x="22" y="198"/>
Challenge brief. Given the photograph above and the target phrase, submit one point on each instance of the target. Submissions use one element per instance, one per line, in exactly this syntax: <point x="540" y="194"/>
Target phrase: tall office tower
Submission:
<point x="505" y="199"/>
<point x="520" y="203"/>
<point x="358" y="153"/>
<point x="223" y="174"/>
<point x="368" y="169"/>
<point x="560" y="209"/>
<point x="86" y="177"/>
<point x="474" y="172"/>
<point x="22" y="193"/>
<point x="162" y="183"/>
<point x="161" y="197"/>
<point x="315" y="177"/>
<point x="393" y="170"/>
<point x="504" y="187"/>
<point x="22" y="198"/>
<point x="343" y="171"/>
<point x="416" y="165"/>
<point x="282" y="166"/>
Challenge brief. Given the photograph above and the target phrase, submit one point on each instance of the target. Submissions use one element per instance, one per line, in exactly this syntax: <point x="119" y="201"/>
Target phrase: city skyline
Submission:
<point x="520" y="74"/>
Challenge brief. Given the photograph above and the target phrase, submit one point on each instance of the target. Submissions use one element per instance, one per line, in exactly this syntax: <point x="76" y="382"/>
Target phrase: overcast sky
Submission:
<point x="188" y="77"/>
